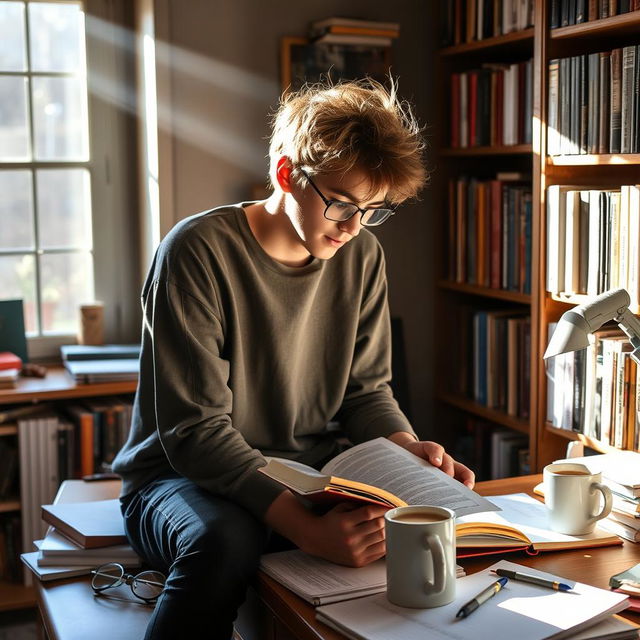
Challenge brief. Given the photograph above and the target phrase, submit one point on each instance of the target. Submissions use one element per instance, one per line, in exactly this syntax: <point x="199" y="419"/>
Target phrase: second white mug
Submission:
<point x="572" y="495"/>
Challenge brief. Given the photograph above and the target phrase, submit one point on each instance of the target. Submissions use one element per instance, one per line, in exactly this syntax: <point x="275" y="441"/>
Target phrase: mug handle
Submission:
<point x="608" y="501"/>
<point x="434" y="544"/>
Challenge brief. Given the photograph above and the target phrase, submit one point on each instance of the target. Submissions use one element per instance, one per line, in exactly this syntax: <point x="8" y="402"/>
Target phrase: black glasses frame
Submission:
<point x="125" y="578"/>
<point x="328" y="202"/>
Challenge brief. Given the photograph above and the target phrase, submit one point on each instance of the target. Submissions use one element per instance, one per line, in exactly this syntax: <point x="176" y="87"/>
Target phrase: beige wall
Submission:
<point x="224" y="79"/>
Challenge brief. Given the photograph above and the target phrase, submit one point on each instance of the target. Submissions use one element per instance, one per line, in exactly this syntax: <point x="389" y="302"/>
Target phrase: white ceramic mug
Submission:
<point x="421" y="556"/>
<point x="572" y="495"/>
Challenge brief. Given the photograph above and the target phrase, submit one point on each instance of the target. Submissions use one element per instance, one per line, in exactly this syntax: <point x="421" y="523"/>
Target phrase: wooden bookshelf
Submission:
<point x="516" y="149"/>
<point x="592" y="171"/>
<point x="486" y="292"/>
<point x="520" y="40"/>
<point x="625" y="24"/>
<point x="499" y="417"/>
<point x="58" y="385"/>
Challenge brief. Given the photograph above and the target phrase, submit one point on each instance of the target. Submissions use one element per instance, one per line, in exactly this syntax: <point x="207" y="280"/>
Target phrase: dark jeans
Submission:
<point x="209" y="549"/>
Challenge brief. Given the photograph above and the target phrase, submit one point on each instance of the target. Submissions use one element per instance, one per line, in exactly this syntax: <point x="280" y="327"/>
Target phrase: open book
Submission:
<point x="522" y="523"/>
<point x="319" y="581"/>
<point x="520" y="610"/>
<point x="379" y="472"/>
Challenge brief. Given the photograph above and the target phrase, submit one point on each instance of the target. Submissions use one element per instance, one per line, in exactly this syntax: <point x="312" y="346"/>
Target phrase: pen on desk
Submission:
<point x="527" y="577"/>
<point x="483" y="596"/>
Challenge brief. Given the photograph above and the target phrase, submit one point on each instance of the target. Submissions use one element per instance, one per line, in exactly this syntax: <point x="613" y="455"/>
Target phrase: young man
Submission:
<point x="263" y="321"/>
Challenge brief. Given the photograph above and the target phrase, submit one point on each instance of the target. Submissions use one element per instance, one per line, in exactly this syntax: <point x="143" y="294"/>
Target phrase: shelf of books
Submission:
<point x="483" y="189"/>
<point x="51" y="429"/>
<point x="538" y="209"/>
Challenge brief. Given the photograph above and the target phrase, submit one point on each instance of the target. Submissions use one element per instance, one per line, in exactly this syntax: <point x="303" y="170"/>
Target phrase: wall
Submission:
<point x="224" y="79"/>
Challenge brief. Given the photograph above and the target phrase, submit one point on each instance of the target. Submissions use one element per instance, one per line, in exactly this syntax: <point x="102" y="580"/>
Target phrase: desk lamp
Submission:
<point x="576" y="324"/>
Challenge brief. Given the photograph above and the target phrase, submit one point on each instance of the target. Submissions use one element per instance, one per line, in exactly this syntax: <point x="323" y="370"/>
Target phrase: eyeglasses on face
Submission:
<point x="338" y="211"/>
<point x="147" y="585"/>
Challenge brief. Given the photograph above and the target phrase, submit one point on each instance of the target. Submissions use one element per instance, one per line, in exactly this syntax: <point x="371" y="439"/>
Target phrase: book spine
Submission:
<point x="615" y="116"/>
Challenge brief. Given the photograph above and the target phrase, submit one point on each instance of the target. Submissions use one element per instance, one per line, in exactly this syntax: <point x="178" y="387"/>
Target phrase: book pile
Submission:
<point x="83" y="534"/>
<point x="354" y="32"/>
<point x="10" y="366"/>
<point x="594" y="391"/>
<point x="489" y="232"/>
<point x="101" y="363"/>
<point x="594" y="103"/>
<point x="591" y="246"/>
<point x="470" y="20"/>
<point x="567" y="12"/>
<point x="621" y="473"/>
<point x="492" y="106"/>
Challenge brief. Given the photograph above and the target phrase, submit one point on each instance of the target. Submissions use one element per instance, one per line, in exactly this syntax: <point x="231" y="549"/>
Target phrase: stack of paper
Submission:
<point x="320" y="582"/>
<point x="103" y="363"/>
<point x="621" y="473"/>
<point x="520" y="610"/>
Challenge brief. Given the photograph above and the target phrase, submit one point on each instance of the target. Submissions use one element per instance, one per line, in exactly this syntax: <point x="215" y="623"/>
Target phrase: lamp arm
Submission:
<point x="630" y="324"/>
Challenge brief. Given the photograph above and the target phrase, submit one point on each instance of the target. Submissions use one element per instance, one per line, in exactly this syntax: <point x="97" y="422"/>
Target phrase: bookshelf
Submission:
<point x="594" y="171"/>
<point x="58" y="386"/>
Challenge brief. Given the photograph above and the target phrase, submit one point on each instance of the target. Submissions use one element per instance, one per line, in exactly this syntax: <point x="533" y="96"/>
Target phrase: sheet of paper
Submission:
<point x="529" y="516"/>
<point x="520" y="610"/>
<point x="383" y="464"/>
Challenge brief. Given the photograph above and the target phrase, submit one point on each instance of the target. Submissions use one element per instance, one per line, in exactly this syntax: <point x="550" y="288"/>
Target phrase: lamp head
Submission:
<point x="576" y="324"/>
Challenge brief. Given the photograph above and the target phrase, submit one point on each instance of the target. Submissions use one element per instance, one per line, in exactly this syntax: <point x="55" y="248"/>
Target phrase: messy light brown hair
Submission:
<point x="336" y="127"/>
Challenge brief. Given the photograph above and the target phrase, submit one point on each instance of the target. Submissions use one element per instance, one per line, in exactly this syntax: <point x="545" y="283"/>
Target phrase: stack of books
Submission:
<point x="10" y="366"/>
<point x="621" y="473"/>
<point x="83" y="534"/>
<point x="565" y="12"/>
<point x="594" y="391"/>
<point x="591" y="246"/>
<point x="101" y="363"/>
<point x="349" y="31"/>
<point x="594" y="104"/>
<point x="465" y="21"/>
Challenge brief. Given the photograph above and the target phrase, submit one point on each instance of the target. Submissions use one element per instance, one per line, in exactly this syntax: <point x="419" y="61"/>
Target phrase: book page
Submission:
<point x="529" y="516"/>
<point x="383" y="464"/>
<point x="520" y="610"/>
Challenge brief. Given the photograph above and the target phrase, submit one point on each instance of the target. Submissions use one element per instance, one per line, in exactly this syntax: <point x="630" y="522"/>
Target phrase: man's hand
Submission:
<point x="348" y="535"/>
<point x="435" y="454"/>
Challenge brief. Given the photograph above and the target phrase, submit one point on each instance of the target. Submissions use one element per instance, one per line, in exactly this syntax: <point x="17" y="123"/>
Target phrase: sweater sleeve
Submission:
<point x="369" y="409"/>
<point x="193" y="401"/>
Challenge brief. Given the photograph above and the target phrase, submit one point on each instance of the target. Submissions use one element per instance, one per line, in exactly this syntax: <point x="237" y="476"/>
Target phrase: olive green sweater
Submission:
<point x="243" y="356"/>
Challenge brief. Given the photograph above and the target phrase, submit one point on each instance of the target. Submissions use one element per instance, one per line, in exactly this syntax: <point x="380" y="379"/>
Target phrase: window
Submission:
<point x="46" y="252"/>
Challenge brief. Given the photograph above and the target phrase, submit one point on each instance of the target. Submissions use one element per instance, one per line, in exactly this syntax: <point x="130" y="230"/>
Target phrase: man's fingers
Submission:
<point x="447" y="464"/>
<point x="434" y="452"/>
<point x="465" y="475"/>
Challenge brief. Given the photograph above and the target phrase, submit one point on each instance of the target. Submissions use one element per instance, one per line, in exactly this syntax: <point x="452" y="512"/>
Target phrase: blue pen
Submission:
<point x="482" y="597"/>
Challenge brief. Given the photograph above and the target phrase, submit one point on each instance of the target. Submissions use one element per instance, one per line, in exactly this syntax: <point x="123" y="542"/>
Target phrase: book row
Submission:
<point x="492" y="359"/>
<point x="594" y="391"/>
<point x="489" y="234"/>
<point x="10" y="567"/>
<point x="594" y="103"/>
<point x="469" y="20"/>
<point x="492" y="452"/>
<point x="492" y="105"/>
<point x="567" y="12"/>
<point x="592" y="241"/>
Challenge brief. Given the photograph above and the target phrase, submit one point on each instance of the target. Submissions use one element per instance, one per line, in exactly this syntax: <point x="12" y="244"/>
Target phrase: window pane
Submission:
<point x="60" y="118"/>
<point x="12" y="41"/>
<point x="67" y="282"/>
<point x="14" y="127"/>
<point x="18" y="280"/>
<point x="64" y="208"/>
<point x="56" y="36"/>
<point x="16" y="210"/>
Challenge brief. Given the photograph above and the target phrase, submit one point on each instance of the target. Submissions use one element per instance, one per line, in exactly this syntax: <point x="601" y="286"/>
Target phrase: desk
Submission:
<point x="70" y="612"/>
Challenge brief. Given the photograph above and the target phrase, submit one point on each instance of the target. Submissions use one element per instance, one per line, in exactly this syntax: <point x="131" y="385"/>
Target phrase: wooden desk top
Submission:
<point x="60" y="601"/>
<point x="592" y="566"/>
